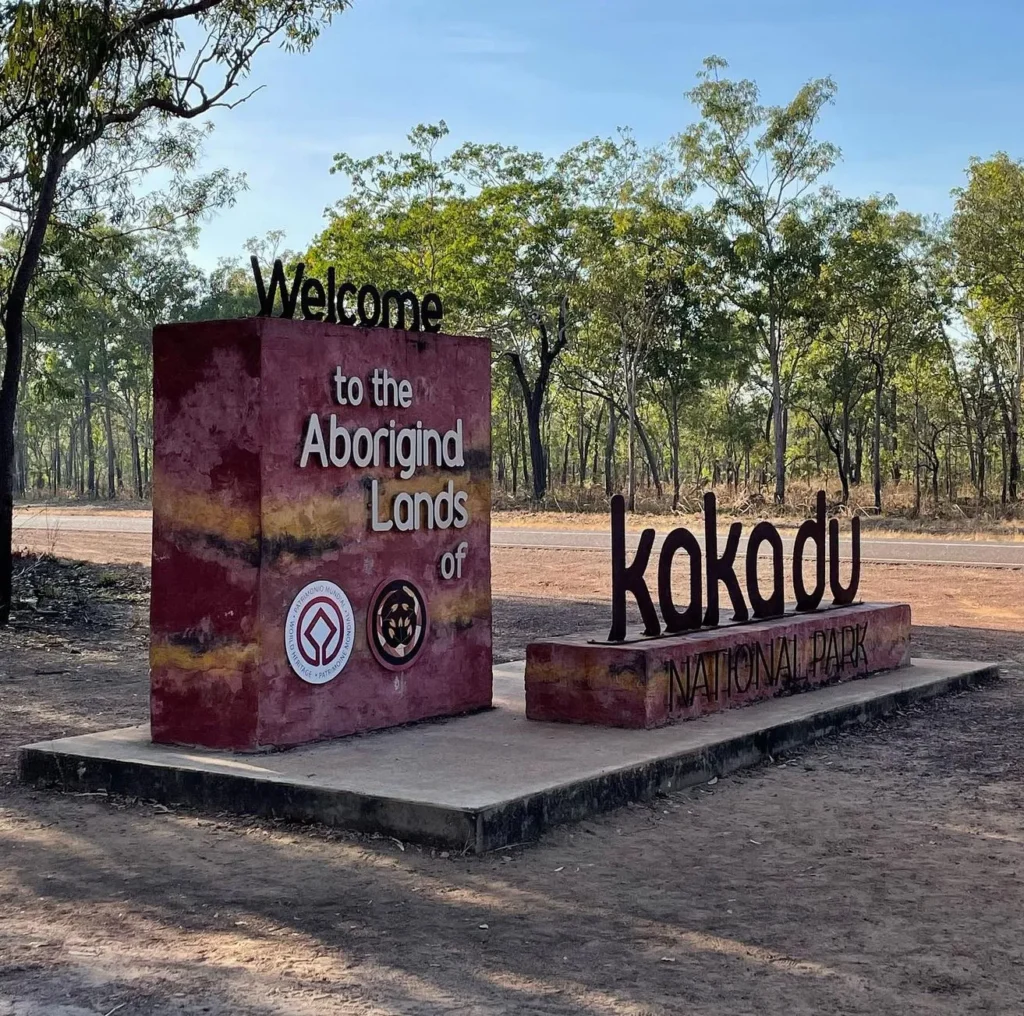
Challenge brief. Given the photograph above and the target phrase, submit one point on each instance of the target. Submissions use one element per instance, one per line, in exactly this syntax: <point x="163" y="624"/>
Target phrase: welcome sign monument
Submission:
<point x="321" y="519"/>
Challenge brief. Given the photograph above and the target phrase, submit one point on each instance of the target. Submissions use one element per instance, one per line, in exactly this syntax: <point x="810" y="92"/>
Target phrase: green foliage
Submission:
<point x="987" y="241"/>
<point x="643" y="340"/>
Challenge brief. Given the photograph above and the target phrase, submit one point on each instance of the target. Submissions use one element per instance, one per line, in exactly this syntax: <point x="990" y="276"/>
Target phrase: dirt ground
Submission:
<point x="876" y="873"/>
<point x="100" y="548"/>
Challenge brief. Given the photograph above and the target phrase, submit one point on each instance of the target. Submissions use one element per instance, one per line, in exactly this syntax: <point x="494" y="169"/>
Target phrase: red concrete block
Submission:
<point x="259" y="521"/>
<point x="651" y="682"/>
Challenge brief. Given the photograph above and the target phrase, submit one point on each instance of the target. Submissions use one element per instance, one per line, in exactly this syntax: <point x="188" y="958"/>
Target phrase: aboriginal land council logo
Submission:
<point x="397" y="624"/>
<point x="319" y="632"/>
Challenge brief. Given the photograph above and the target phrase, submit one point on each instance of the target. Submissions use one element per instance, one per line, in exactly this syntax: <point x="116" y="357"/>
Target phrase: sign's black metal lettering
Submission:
<point x="345" y="303"/>
<point x="721" y="568"/>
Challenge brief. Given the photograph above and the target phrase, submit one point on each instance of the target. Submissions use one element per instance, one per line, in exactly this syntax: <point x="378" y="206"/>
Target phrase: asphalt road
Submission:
<point x="876" y="549"/>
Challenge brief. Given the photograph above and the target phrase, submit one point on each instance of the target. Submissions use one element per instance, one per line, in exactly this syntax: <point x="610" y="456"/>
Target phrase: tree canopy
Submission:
<point x="705" y="313"/>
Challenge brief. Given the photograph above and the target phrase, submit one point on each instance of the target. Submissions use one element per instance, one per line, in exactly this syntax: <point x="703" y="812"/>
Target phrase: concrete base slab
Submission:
<point x="484" y="781"/>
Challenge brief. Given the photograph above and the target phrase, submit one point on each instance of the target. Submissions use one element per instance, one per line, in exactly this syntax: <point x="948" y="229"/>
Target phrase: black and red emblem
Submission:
<point x="397" y="624"/>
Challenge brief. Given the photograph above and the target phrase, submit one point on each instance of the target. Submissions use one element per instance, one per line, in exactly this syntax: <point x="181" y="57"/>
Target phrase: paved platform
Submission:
<point x="484" y="781"/>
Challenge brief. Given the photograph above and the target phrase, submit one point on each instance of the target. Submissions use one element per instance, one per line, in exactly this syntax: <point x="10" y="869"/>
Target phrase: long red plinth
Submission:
<point x="651" y="682"/>
<point x="280" y="613"/>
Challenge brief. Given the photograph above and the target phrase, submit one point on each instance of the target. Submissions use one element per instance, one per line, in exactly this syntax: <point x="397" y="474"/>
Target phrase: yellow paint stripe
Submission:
<point x="205" y="513"/>
<point x="223" y="658"/>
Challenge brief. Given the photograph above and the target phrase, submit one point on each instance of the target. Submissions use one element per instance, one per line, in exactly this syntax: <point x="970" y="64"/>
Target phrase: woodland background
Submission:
<point x="706" y="313"/>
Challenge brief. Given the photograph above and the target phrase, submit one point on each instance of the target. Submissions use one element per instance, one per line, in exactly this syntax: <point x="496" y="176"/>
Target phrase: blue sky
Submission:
<point x="922" y="87"/>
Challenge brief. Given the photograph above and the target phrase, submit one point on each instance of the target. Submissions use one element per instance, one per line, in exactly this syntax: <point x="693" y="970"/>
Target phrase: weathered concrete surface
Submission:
<point x="483" y="781"/>
<point x="239" y="529"/>
<point x="649" y="682"/>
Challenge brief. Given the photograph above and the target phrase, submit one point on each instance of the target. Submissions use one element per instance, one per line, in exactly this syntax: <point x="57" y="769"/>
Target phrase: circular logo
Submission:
<point x="397" y="624"/>
<point x="319" y="632"/>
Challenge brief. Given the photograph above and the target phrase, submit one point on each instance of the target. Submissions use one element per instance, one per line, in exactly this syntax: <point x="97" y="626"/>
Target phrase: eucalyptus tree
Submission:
<point x="93" y="96"/>
<point x="158" y="283"/>
<point x="705" y="344"/>
<point x="928" y="400"/>
<point x="987" y="233"/>
<point x="406" y="222"/>
<point x="836" y="379"/>
<point x="881" y="307"/>
<point x="631" y="271"/>
<point x="229" y="290"/>
<point x="534" y="211"/>
<point x="89" y="353"/>
<point x="761" y="163"/>
<point x="488" y="227"/>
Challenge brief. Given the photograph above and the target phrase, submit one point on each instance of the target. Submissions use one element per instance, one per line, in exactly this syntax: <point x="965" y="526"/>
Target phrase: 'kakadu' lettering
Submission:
<point x="720" y="569"/>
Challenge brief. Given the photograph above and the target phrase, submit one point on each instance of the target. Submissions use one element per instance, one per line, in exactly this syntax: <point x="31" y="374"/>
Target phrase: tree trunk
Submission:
<point x="1013" y="440"/>
<point x="72" y="459"/>
<point x="21" y="480"/>
<point x="876" y="443"/>
<point x="1013" y="424"/>
<point x="981" y="457"/>
<point x="858" y="453"/>
<point x="538" y="466"/>
<point x="609" y="450"/>
<point x="534" y="395"/>
<point x="108" y="423"/>
<point x="917" y="452"/>
<point x="137" y="465"/>
<point x="652" y="462"/>
<point x="778" y="424"/>
<point x="630" y="443"/>
<point x="845" y="466"/>
<point x="842" y="456"/>
<point x="14" y="339"/>
<point x="673" y="433"/>
<point x="1002" y="453"/>
<point x="512" y="428"/>
<point x="546" y="446"/>
<point x="585" y="454"/>
<point x="582" y="442"/>
<point x="1013" y="430"/>
<point x="90" y="447"/>
<point x="56" y="458"/>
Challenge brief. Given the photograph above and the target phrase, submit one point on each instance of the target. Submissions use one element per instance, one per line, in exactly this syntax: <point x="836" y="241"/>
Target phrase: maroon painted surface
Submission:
<point x="576" y="680"/>
<point x="239" y="529"/>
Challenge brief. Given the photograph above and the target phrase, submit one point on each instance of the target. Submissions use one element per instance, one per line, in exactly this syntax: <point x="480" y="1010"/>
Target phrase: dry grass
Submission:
<point x="588" y="509"/>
